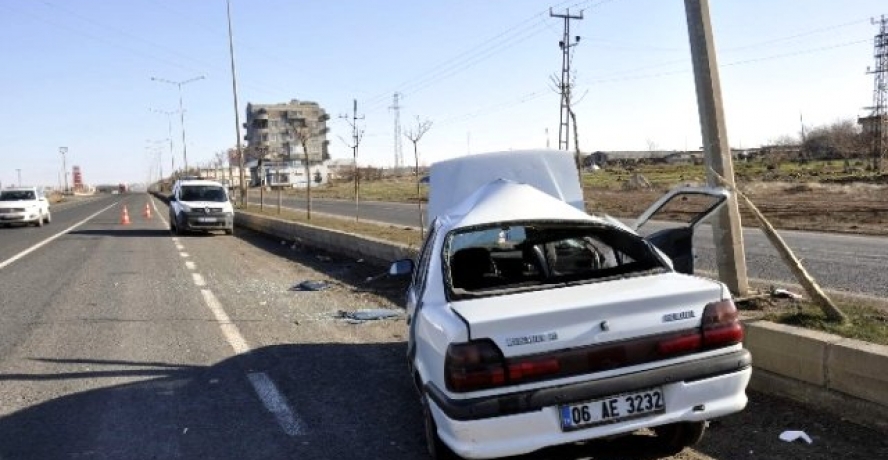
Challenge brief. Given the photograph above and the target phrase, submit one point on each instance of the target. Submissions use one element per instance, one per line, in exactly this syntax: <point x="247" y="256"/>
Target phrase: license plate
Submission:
<point x="612" y="409"/>
<point x="206" y="219"/>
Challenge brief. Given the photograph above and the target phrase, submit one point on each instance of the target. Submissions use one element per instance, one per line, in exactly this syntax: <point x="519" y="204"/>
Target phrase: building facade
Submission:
<point x="274" y="131"/>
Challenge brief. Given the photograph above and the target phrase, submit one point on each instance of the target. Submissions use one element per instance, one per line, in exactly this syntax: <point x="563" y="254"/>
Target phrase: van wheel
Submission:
<point x="673" y="438"/>
<point x="39" y="222"/>
<point x="48" y="219"/>
<point x="437" y="449"/>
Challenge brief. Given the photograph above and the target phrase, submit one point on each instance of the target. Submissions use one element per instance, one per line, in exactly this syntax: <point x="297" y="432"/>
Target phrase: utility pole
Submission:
<point x="179" y="84"/>
<point x="63" y="151"/>
<point x="399" y="151"/>
<point x="356" y="140"/>
<point x="565" y="45"/>
<point x="878" y="118"/>
<point x="726" y="228"/>
<point x="169" y="114"/>
<point x="240" y="150"/>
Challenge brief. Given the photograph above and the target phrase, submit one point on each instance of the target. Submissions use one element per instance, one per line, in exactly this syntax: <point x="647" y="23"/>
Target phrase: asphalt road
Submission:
<point x="125" y="342"/>
<point x="839" y="262"/>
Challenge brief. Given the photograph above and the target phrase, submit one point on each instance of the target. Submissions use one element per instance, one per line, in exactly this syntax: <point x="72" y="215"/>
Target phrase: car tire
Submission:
<point x="436" y="447"/>
<point x="673" y="438"/>
<point x="39" y="222"/>
<point x="48" y="219"/>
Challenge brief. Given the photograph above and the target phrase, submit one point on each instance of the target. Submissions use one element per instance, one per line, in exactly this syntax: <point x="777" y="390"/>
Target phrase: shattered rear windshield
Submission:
<point x="502" y="258"/>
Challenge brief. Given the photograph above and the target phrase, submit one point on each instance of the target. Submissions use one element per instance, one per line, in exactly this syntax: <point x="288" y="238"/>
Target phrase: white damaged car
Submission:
<point x="533" y="323"/>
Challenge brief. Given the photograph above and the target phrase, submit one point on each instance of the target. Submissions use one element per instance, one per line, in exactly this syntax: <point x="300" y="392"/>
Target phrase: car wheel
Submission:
<point x="39" y="222"/>
<point x="673" y="438"/>
<point x="437" y="449"/>
<point x="48" y="218"/>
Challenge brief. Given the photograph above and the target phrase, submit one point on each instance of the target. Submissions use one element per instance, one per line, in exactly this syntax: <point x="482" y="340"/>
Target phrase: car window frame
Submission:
<point x="420" y="274"/>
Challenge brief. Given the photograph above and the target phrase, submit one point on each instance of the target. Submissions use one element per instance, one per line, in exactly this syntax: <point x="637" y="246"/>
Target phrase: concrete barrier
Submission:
<point x="845" y="377"/>
<point x="372" y="250"/>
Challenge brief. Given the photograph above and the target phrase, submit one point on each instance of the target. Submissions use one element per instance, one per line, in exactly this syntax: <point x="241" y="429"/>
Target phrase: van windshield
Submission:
<point x="202" y="193"/>
<point x="17" y="195"/>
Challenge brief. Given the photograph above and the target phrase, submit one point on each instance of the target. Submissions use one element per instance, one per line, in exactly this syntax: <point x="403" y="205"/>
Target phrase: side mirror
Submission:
<point x="171" y="198"/>
<point x="401" y="267"/>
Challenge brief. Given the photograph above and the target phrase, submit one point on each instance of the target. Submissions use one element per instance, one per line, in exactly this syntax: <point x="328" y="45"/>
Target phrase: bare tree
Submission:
<point x="414" y="134"/>
<point x="304" y="131"/>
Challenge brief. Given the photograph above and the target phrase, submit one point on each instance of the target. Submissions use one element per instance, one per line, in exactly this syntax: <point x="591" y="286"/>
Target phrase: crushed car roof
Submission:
<point x="508" y="201"/>
<point x="552" y="172"/>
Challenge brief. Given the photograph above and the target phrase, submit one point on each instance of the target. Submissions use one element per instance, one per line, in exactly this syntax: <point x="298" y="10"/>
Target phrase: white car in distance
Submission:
<point x="533" y="324"/>
<point x="24" y="205"/>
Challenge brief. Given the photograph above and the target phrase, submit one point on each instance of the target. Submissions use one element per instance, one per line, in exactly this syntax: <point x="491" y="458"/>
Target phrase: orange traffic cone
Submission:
<point x="147" y="211"/>
<point x="124" y="219"/>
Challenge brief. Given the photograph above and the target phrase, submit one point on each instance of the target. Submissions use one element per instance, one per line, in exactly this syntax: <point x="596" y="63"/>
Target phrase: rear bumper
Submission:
<point x="523" y="422"/>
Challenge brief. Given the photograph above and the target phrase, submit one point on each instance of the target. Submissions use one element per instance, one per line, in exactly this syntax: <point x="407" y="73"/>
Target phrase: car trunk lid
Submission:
<point x="589" y="314"/>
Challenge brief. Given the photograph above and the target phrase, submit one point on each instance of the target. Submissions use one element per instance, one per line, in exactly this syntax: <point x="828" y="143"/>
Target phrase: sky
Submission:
<point x="78" y="74"/>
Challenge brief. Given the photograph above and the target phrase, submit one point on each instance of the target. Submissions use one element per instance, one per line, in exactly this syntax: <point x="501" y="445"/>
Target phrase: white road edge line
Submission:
<point x="275" y="403"/>
<point x="265" y="388"/>
<point x="190" y="265"/>
<point x="159" y="215"/>
<point x="39" y="245"/>
<point x="199" y="280"/>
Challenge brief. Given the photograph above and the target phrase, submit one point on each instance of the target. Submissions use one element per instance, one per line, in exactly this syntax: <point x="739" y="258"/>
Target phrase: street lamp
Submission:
<point x="63" y="151"/>
<point x="179" y="84"/>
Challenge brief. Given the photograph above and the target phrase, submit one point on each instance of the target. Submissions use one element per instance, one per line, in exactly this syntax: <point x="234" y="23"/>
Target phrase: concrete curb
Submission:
<point x="845" y="377"/>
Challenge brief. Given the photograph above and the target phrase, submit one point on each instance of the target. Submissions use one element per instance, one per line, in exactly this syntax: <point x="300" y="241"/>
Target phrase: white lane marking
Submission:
<point x="275" y="403"/>
<point x="183" y="254"/>
<point x="39" y="245"/>
<point x="180" y="247"/>
<point x="159" y="215"/>
<point x="190" y="265"/>
<point x="199" y="280"/>
<point x="262" y="384"/>
<point x="229" y="330"/>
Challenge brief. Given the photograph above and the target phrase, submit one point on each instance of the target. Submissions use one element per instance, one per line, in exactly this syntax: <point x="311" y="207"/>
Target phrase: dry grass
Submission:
<point x="866" y="323"/>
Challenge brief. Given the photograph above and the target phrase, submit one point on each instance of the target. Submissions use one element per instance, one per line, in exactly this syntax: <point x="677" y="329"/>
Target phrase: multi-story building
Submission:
<point x="273" y="131"/>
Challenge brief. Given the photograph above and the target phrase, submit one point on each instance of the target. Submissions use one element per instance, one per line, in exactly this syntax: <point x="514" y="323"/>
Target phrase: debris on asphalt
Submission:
<point x="794" y="435"/>
<point x="369" y="314"/>
<point x="784" y="294"/>
<point x="310" y="285"/>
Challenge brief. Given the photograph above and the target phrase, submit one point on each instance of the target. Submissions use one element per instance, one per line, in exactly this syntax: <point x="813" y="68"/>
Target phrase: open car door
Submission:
<point x="669" y="223"/>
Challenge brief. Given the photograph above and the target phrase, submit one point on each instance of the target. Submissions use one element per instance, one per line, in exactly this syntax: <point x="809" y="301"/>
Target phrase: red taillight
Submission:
<point x="479" y="365"/>
<point x="474" y="366"/>
<point x="679" y="345"/>
<point x="528" y="370"/>
<point x="721" y="325"/>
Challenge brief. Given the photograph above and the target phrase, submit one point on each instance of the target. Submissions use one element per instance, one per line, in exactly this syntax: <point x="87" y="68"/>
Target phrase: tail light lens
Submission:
<point x="474" y="366"/>
<point x="478" y="365"/>
<point x="721" y="325"/>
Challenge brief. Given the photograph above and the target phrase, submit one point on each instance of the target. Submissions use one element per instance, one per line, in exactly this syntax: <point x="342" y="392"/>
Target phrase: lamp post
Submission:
<point x="179" y="84"/>
<point x="63" y="151"/>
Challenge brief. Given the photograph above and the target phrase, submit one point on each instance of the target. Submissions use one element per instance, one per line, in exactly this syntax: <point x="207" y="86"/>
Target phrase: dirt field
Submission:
<point x="853" y="208"/>
<point x="817" y="196"/>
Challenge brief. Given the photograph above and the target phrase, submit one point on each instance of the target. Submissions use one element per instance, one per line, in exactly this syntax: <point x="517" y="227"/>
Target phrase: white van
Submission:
<point x="200" y="205"/>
